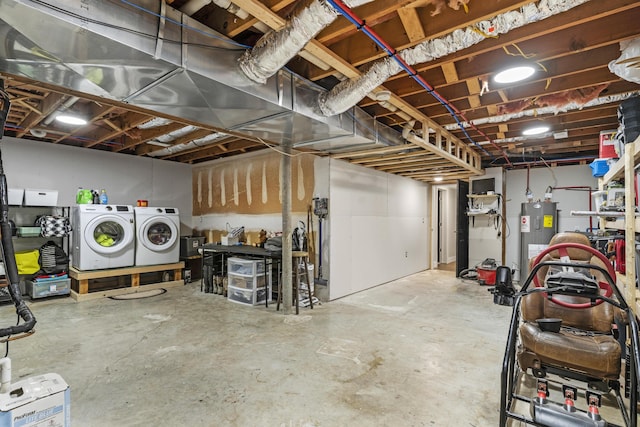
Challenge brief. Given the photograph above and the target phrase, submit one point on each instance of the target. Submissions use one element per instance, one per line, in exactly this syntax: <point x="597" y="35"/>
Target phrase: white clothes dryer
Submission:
<point x="103" y="236"/>
<point x="157" y="235"/>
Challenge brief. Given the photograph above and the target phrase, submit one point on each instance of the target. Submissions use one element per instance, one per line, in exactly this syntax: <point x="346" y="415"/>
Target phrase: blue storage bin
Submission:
<point x="599" y="167"/>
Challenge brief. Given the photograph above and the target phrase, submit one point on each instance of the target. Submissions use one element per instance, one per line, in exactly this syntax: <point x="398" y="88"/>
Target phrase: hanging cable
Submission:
<point x="528" y="192"/>
<point x="453" y="111"/>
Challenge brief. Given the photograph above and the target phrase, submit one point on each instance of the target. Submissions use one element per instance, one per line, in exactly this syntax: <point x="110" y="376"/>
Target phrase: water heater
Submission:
<point x="538" y="224"/>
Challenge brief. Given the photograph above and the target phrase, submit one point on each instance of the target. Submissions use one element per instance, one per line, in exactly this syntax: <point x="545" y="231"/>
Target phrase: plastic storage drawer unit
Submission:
<point x="244" y="282"/>
<point x="245" y="267"/>
<point x="48" y="288"/>
<point x="248" y="284"/>
<point x="247" y="296"/>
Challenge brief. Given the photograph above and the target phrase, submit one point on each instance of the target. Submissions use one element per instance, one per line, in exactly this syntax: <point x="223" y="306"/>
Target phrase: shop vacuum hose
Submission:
<point x="8" y="253"/>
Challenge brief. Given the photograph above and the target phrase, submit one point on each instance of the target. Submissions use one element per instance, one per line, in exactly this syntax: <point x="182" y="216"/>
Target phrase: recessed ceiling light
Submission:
<point x="514" y="74"/>
<point x="537" y="130"/>
<point x="71" y="120"/>
<point x="438" y="179"/>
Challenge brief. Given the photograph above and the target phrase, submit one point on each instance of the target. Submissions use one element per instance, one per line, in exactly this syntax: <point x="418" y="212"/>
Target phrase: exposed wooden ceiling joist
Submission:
<point x="574" y="48"/>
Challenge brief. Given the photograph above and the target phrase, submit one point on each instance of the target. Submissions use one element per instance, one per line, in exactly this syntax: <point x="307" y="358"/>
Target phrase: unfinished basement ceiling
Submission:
<point x="177" y="113"/>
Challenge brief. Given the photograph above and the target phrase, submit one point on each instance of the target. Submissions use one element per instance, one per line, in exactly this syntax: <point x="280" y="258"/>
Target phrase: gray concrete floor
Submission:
<point x="425" y="350"/>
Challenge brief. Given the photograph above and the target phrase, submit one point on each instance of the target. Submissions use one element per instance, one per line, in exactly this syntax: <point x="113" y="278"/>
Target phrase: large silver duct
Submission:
<point x="276" y="48"/>
<point x="155" y="57"/>
<point x="349" y="92"/>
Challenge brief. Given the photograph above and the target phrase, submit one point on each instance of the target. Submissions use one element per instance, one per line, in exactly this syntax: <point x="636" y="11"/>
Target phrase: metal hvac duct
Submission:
<point x="155" y="57"/>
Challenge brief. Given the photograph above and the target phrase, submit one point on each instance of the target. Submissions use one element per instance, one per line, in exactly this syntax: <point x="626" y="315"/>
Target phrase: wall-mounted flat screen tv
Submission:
<point x="482" y="186"/>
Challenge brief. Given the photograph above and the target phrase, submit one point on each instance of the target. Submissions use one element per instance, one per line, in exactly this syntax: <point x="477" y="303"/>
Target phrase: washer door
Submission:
<point x="158" y="234"/>
<point x="109" y="234"/>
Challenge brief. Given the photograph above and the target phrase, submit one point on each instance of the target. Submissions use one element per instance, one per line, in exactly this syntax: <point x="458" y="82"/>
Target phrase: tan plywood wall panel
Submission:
<point x="251" y="185"/>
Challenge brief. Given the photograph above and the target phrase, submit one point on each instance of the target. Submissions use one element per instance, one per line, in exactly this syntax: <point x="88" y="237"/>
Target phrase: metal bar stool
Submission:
<point x="296" y="257"/>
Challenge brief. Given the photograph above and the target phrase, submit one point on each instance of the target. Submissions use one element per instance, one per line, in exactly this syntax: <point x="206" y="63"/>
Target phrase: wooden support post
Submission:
<point x="84" y="286"/>
<point x="287" y="229"/>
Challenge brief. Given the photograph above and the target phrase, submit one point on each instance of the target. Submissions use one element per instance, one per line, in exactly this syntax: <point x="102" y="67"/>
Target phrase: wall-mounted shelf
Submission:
<point x="478" y="213"/>
<point x="483" y="204"/>
<point x="483" y="196"/>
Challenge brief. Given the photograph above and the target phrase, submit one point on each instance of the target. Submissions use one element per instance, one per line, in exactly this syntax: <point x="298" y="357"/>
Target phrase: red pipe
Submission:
<point x="413" y="73"/>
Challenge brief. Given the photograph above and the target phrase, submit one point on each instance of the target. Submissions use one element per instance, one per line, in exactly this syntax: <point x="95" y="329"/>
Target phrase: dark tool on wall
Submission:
<point x="321" y="210"/>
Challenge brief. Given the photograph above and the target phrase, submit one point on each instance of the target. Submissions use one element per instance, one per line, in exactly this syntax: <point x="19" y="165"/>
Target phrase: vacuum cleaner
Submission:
<point x="40" y="400"/>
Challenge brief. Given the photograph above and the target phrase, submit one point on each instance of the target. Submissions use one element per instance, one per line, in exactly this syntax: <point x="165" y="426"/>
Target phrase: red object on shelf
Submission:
<point x="620" y="263"/>
<point x="607" y="145"/>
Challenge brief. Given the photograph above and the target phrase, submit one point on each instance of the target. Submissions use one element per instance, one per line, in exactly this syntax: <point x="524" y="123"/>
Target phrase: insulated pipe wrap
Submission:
<point x="534" y="112"/>
<point x="349" y="92"/>
<point x="276" y="48"/>
<point x="329" y="104"/>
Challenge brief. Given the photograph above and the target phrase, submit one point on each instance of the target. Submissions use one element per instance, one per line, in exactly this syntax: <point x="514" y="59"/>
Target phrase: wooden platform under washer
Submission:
<point x="92" y="284"/>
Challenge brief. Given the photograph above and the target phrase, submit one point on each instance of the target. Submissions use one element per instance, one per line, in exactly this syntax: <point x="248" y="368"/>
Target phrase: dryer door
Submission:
<point x="109" y="234"/>
<point x="158" y="234"/>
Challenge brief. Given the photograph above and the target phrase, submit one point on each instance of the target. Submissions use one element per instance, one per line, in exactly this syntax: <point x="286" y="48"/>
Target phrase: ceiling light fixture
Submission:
<point x="537" y="130"/>
<point x="438" y="179"/>
<point x="514" y="74"/>
<point x="382" y="95"/>
<point x="71" y="120"/>
<point x="38" y="133"/>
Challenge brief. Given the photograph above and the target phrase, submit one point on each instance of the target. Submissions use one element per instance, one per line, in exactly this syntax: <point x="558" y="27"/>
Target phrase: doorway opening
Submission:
<point x="444" y="227"/>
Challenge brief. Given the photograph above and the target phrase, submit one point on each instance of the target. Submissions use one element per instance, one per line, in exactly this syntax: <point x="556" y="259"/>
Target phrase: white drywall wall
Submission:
<point x="38" y="165"/>
<point x="378" y="228"/>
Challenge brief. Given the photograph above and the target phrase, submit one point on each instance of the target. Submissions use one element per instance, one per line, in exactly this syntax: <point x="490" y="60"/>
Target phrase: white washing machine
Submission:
<point x="103" y="236"/>
<point x="157" y="235"/>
